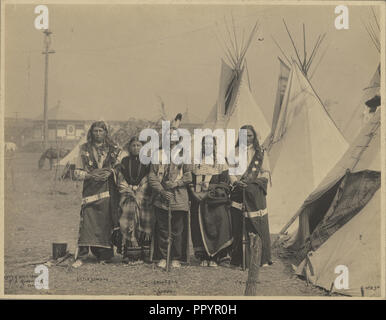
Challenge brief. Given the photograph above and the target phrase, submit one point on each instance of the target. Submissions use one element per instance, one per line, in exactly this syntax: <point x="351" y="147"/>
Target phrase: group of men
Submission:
<point x="148" y="211"/>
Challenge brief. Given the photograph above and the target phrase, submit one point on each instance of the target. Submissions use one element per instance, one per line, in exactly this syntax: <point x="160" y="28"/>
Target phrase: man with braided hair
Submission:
<point x="250" y="190"/>
<point x="169" y="184"/>
<point x="98" y="215"/>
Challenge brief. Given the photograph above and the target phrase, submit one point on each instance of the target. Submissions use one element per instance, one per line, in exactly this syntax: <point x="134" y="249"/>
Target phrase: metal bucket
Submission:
<point x="134" y="253"/>
<point x="59" y="250"/>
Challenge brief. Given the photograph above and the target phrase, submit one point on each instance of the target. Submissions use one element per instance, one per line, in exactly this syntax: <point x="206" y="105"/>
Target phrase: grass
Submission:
<point x="40" y="210"/>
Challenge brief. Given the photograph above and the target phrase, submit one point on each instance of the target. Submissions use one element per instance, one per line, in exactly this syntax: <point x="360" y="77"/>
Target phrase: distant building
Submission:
<point x="63" y="124"/>
<point x="66" y="127"/>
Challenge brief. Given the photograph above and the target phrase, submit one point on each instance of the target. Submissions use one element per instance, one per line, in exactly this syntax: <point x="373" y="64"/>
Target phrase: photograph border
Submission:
<point x="38" y="296"/>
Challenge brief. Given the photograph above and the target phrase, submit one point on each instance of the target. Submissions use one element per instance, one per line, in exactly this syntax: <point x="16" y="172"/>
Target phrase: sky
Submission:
<point x="112" y="61"/>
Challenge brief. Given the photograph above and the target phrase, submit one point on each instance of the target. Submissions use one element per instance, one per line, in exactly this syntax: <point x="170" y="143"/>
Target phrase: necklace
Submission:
<point x="135" y="180"/>
<point x="100" y="150"/>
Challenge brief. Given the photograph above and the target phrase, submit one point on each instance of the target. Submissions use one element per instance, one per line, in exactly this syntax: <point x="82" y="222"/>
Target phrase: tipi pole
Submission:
<point x="375" y="18"/>
<point x="305" y="52"/>
<point x="234" y="34"/>
<point x="293" y="43"/>
<point x="316" y="49"/>
<point x="290" y="222"/>
<point x="317" y="65"/>
<point x="289" y="62"/>
<point x="230" y="37"/>
<point x="246" y="69"/>
<point x="372" y="36"/>
<point x="312" y="52"/>
<point x="253" y="32"/>
<point x="242" y="39"/>
<point x="227" y="51"/>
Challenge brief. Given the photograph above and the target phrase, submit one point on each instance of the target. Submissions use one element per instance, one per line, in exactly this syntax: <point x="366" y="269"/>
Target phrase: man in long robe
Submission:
<point x="249" y="200"/>
<point x="98" y="215"/>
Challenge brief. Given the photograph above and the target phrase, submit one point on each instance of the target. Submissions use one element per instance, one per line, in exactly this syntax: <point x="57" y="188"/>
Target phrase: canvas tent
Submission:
<point x="245" y="110"/>
<point x="71" y="157"/>
<point x="211" y="120"/>
<point x="304" y="143"/>
<point x="357" y="246"/>
<point x="235" y="104"/>
<point x="357" y="118"/>
<point x="339" y="221"/>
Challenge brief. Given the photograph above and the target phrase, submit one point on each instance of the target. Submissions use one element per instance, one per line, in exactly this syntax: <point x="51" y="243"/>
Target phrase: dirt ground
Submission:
<point x="40" y="210"/>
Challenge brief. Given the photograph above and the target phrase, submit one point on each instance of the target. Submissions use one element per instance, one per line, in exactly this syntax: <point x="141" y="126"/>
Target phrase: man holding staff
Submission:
<point x="171" y="204"/>
<point x="249" y="207"/>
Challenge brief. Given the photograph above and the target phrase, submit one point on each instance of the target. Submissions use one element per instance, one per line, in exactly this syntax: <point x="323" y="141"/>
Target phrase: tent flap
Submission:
<point x="324" y="217"/>
<point x="355" y="246"/>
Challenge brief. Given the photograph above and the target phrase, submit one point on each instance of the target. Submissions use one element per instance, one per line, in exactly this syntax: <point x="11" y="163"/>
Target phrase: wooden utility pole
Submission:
<point x="46" y="52"/>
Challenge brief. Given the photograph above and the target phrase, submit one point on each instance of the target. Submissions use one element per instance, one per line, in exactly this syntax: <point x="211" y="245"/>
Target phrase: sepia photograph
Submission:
<point x="192" y="149"/>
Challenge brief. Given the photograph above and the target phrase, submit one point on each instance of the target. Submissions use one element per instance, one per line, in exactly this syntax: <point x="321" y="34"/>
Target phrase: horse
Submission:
<point x="10" y="147"/>
<point x="9" y="155"/>
<point x="51" y="154"/>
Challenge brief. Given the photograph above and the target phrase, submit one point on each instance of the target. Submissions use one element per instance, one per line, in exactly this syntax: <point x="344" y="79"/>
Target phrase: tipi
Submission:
<point x="235" y="105"/>
<point x="339" y="223"/>
<point x="357" y="118"/>
<point x="304" y="143"/>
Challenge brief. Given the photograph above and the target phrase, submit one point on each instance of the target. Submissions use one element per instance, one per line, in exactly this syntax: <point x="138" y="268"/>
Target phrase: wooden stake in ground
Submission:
<point x="254" y="264"/>
<point x="170" y="240"/>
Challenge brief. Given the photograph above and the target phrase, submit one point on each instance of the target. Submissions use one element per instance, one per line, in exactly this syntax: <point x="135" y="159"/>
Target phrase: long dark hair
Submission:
<point x="214" y="147"/>
<point x="132" y="139"/>
<point x="256" y="144"/>
<point x="99" y="124"/>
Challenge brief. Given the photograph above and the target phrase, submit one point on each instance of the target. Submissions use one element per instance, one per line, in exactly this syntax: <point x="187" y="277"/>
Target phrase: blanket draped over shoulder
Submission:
<point x="211" y="220"/>
<point x="135" y="208"/>
<point x="100" y="196"/>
